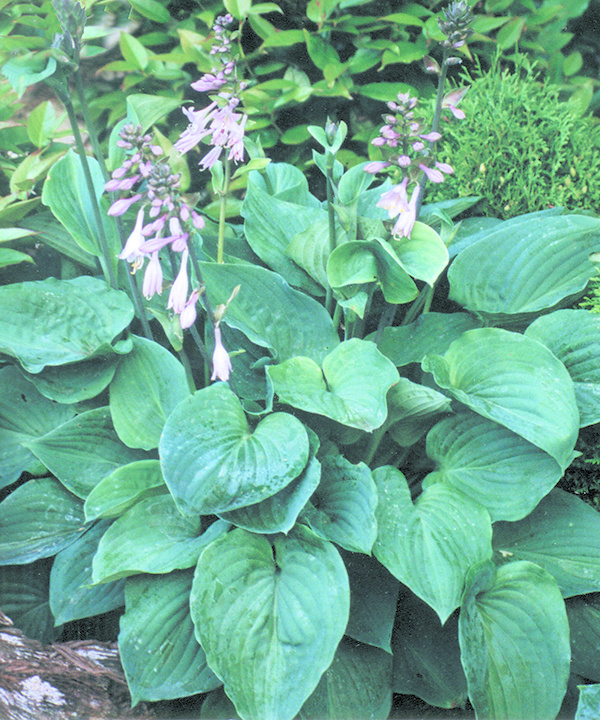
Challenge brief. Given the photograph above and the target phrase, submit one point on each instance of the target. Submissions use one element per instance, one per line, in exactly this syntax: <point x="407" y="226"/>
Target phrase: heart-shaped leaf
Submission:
<point x="430" y="545"/>
<point x="574" y="337"/>
<point x="492" y="465"/>
<point x="160" y="654"/>
<point x="412" y="409"/>
<point x="561" y="535"/>
<point x="514" y="640"/>
<point x="515" y="381"/>
<point x="84" y="450"/>
<point x="343" y="507"/>
<point x="52" y="322"/>
<point x="423" y="255"/>
<point x="37" y="520"/>
<point x="350" y="389"/>
<point x="213" y="461"/>
<point x="270" y="617"/>
<point x="24" y="416"/>
<point x="72" y="595"/>
<point x="152" y="537"/>
<point x="148" y="384"/>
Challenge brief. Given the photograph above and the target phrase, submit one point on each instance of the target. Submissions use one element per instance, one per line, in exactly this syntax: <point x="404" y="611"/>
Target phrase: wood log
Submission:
<point x="63" y="681"/>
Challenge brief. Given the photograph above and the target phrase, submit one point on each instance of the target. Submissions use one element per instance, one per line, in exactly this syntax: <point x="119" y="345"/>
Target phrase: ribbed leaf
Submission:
<point x="412" y="409"/>
<point x="514" y="640"/>
<point x="24" y="415"/>
<point x="84" y="450"/>
<point x="350" y="389"/>
<point x="148" y="384"/>
<point x="52" y="322"/>
<point x="574" y="337"/>
<point x="561" y="535"/>
<point x="525" y="265"/>
<point x="515" y="381"/>
<point x="343" y="507"/>
<point x="213" y="462"/>
<point x="269" y="312"/>
<point x="122" y="488"/>
<point x="355" y="686"/>
<point x="430" y="545"/>
<point x="72" y="595"/>
<point x="489" y="463"/>
<point x="151" y="537"/>
<point x="37" y="520"/>
<point x="161" y="657"/>
<point x="270" y="617"/>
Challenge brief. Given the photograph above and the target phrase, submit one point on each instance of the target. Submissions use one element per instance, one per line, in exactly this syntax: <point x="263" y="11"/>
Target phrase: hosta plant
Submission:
<point x="323" y="470"/>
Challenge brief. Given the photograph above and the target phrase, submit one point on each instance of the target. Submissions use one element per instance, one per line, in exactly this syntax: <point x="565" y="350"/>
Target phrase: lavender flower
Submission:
<point x="221" y="359"/>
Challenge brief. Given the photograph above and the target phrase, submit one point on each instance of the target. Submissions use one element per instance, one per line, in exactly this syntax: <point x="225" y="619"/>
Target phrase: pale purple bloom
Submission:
<point x="457" y="112"/>
<point x="434" y="175"/>
<point x="197" y="220"/>
<point x="236" y="140"/>
<point x="188" y="315"/>
<point x="124" y="184"/>
<point x="418" y="146"/>
<point x="395" y="200"/>
<point x="131" y="249"/>
<point x="179" y="289"/>
<point x="152" y="277"/>
<point x="431" y="137"/>
<point x="211" y="157"/>
<point x="154" y="227"/>
<point x="408" y="216"/>
<point x="156" y="243"/>
<point x="197" y="129"/>
<point x="209" y="82"/>
<point x="404" y="161"/>
<point x="120" y="207"/>
<point x="221" y="359"/>
<point x="376" y="166"/>
<point x="445" y="168"/>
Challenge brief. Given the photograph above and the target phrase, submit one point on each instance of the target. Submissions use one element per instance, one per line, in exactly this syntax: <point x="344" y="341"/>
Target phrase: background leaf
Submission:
<point x="161" y="657"/>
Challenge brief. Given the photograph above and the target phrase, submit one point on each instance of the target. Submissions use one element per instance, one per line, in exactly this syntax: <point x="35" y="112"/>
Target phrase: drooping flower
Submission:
<point x="179" y="289"/>
<point x="131" y="250"/>
<point x="221" y="360"/>
<point x="188" y="315"/>
<point x="395" y="200"/>
<point x="121" y="206"/>
<point x="152" y="277"/>
<point x="408" y="216"/>
<point x="433" y="174"/>
<point x="197" y="129"/>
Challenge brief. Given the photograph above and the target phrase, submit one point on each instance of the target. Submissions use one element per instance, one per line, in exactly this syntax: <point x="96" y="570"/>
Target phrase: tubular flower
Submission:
<point x="179" y="289"/>
<point x="221" y="360"/>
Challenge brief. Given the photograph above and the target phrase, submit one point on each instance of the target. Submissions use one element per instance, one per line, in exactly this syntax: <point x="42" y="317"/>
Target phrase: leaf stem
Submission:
<point x="222" y="210"/>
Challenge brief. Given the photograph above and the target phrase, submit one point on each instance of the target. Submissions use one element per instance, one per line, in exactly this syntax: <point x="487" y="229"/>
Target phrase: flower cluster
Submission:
<point x="407" y="148"/>
<point x="455" y="24"/>
<point x="150" y="182"/>
<point x="219" y="122"/>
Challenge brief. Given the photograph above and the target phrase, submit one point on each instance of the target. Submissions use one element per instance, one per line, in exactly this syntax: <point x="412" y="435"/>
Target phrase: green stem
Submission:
<point x="374" y="442"/>
<point x="329" y="299"/>
<point x="185" y="361"/>
<point x="89" y="123"/>
<point x="108" y="270"/>
<point x="222" y="210"/>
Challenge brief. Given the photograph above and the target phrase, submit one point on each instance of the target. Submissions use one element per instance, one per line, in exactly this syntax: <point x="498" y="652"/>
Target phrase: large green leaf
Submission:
<point x="279" y="512"/>
<point x="269" y="312"/>
<point x="343" y="507"/>
<point x="213" y="461"/>
<point x="525" y="265"/>
<point x="78" y="381"/>
<point x="66" y="194"/>
<point x="561" y="535"/>
<point x="423" y="255"/>
<point x="588" y="707"/>
<point x="24" y="415"/>
<point x="412" y="409"/>
<point x="366" y="261"/>
<point x="72" y="595"/>
<point x="37" y="520"/>
<point x="350" y="388"/>
<point x="84" y="450"/>
<point x="148" y="384"/>
<point x="24" y="598"/>
<point x="429" y="545"/>
<point x="515" y="381"/>
<point x="514" y="640"/>
<point x="492" y="465"/>
<point x="373" y="600"/>
<point x="430" y="333"/>
<point x="271" y="223"/>
<point x="53" y="322"/>
<point x="574" y="337"/>
<point x="121" y="489"/>
<point x="357" y="685"/>
<point x="270" y="617"/>
<point x="161" y="657"/>
<point x="427" y="655"/>
<point x="152" y="537"/>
